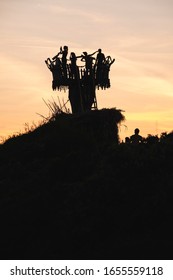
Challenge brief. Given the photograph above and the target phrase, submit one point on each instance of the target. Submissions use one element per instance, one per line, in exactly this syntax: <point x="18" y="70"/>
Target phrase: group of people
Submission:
<point x="87" y="58"/>
<point x="97" y="67"/>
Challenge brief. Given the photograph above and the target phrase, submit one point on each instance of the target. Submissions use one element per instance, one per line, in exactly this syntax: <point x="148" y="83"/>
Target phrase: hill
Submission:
<point x="70" y="190"/>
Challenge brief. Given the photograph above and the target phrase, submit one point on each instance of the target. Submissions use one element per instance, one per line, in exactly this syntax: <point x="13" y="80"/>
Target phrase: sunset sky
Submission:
<point x="138" y="34"/>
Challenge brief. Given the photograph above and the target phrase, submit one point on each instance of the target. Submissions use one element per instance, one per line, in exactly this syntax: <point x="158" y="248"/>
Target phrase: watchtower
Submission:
<point x="81" y="81"/>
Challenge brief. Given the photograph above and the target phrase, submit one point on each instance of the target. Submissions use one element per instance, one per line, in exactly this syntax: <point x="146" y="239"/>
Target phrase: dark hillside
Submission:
<point x="69" y="190"/>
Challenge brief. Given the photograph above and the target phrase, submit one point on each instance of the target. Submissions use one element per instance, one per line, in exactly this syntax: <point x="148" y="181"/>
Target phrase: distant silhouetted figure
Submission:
<point x="73" y="58"/>
<point x="100" y="61"/>
<point x="55" y="68"/>
<point x="88" y="60"/>
<point x="127" y="140"/>
<point x="64" y="53"/>
<point x="136" y="138"/>
<point x="73" y="67"/>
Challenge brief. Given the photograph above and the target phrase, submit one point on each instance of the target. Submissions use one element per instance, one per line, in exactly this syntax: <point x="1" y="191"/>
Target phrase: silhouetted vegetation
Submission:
<point x="71" y="190"/>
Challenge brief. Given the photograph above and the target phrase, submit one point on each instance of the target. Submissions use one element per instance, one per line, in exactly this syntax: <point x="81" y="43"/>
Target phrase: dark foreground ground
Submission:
<point x="66" y="195"/>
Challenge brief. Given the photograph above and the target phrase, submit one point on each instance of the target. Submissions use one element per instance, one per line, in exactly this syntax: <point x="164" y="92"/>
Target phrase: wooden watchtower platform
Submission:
<point x="80" y="81"/>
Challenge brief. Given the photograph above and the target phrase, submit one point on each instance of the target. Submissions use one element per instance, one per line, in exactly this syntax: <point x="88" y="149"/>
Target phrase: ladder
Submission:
<point x="94" y="105"/>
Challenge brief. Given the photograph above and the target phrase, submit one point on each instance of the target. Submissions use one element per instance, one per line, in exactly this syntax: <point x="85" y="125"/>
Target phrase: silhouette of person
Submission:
<point x="88" y="60"/>
<point x="64" y="53"/>
<point x="73" y="66"/>
<point x="109" y="61"/>
<point x="136" y="138"/>
<point x="100" y="60"/>
<point x="55" y="68"/>
<point x="127" y="140"/>
<point x="73" y="58"/>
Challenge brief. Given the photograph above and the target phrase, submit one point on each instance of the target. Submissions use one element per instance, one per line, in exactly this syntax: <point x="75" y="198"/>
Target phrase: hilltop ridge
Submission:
<point x="70" y="190"/>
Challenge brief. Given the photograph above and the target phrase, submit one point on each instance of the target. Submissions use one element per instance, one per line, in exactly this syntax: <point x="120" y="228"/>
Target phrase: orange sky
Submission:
<point x="138" y="34"/>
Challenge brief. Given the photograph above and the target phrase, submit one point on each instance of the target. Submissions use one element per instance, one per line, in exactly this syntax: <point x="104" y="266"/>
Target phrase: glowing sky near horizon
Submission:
<point x="138" y="34"/>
